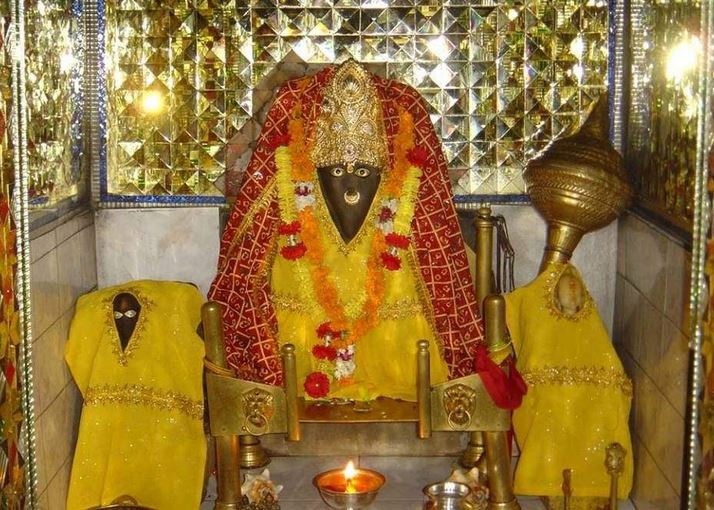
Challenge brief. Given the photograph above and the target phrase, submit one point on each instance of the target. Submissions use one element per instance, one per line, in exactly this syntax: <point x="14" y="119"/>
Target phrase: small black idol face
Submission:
<point x="126" y="310"/>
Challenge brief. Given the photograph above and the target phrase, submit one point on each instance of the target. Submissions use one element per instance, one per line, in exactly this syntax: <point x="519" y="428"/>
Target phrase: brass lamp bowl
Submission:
<point x="122" y="503"/>
<point x="121" y="506"/>
<point x="332" y="488"/>
<point x="578" y="184"/>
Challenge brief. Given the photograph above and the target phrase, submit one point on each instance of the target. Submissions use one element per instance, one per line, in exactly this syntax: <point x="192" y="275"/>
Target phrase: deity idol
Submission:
<point x="344" y="242"/>
<point x="135" y="355"/>
<point x="579" y="395"/>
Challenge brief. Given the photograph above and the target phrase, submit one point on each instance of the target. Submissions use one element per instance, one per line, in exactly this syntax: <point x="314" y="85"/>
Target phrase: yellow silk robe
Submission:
<point x="141" y="431"/>
<point x="578" y="399"/>
<point x="385" y="358"/>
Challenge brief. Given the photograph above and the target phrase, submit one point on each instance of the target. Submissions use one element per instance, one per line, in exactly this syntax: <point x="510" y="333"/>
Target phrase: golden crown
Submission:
<point x="350" y="128"/>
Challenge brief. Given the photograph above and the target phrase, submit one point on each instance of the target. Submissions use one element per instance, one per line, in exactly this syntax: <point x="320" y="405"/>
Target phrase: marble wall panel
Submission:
<point x="651" y="333"/>
<point x="63" y="268"/>
<point x="163" y="244"/>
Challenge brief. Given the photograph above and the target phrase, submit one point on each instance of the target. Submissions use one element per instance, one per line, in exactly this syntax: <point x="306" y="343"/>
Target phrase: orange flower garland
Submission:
<point x="296" y="176"/>
<point x="325" y="290"/>
<point x="403" y="143"/>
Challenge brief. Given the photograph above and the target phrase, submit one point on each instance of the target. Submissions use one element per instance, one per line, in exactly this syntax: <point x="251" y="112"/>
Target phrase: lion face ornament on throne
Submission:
<point x="344" y="242"/>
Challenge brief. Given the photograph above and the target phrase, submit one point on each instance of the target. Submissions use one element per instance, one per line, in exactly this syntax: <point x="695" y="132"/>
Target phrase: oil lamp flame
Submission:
<point x="350" y="472"/>
<point x="350" y="488"/>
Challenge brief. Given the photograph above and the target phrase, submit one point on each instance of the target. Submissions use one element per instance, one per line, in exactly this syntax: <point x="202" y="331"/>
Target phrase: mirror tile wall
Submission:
<point x="54" y="67"/>
<point x="665" y="46"/>
<point x="185" y="79"/>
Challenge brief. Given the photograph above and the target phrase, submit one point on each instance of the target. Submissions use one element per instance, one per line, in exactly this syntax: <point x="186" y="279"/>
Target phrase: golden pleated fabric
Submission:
<point x="141" y="430"/>
<point x="578" y="399"/>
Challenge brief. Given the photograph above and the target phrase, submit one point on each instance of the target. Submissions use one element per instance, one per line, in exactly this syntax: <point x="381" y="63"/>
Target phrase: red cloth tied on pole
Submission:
<point x="506" y="387"/>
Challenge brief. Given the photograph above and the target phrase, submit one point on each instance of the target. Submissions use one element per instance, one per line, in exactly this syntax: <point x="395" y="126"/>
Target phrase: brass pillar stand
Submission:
<point x="499" y="472"/>
<point x="498" y="454"/>
<point x="473" y="454"/>
<point x="227" y="447"/>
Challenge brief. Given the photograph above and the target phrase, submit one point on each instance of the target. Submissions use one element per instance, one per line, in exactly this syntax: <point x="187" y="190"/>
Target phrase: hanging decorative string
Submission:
<point x="505" y="257"/>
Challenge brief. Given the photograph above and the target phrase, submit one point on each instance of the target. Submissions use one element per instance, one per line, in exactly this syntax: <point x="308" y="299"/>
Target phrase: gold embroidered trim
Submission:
<point x="261" y="202"/>
<point x="387" y="311"/>
<point x="123" y="355"/>
<point x="555" y="271"/>
<point x="265" y="275"/>
<point x="291" y="303"/>
<point x="399" y="309"/>
<point x="572" y="376"/>
<point x="140" y="395"/>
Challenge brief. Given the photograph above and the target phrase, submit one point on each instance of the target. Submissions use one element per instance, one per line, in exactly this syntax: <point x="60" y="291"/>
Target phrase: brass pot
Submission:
<point x="122" y="503"/>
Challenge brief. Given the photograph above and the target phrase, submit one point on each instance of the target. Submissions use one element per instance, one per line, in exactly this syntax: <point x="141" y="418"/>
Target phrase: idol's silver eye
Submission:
<point x="338" y="171"/>
<point x="362" y="172"/>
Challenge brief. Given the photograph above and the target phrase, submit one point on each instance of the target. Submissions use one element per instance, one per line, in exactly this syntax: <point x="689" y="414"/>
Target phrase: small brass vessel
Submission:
<point x="122" y="503"/>
<point x="578" y="184"/>
<point x="446" y="496"/>
<point x="331" y="486"/>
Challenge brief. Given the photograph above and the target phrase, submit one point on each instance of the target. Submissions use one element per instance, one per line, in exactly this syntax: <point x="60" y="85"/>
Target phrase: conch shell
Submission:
<point x="257" y="487"/>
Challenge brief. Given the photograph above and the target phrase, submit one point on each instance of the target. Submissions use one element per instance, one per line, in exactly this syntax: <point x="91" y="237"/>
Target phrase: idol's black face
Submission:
<point x="349" y="191"/>
<point x="126" y="310"/>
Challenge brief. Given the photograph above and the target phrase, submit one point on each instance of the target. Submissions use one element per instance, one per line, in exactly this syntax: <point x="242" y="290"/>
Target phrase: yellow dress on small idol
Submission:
<point x="385" y="357"/>
<point x="578" y="399"/>
<point x="141" y="430"/>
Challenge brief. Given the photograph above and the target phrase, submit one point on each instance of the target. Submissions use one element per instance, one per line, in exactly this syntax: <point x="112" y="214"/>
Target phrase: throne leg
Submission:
<point x="227" y="447"/>
<point x="228" y="473"/>
<point x="499" y="472"/>
<point x="483" y="224"/>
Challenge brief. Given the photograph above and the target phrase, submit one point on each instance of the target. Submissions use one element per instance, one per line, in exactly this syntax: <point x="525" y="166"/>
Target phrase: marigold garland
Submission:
<point x="293" y="252"/>
<point x="391" y="262"/>
<point x="295" y="177"/>
<point x="397" y="240"/>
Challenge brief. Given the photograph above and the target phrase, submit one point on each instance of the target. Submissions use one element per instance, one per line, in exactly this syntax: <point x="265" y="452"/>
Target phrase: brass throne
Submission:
<point x="240" y="410"/>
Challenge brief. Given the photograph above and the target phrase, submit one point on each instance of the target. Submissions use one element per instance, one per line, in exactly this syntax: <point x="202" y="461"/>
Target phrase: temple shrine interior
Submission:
<point x="379" y="254"/>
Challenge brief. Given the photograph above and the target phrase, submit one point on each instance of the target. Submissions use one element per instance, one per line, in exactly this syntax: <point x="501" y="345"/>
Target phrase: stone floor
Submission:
<point x="406" y="476"/>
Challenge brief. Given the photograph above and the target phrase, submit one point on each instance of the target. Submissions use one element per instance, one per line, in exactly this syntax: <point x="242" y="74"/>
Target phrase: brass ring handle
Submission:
<point x="260" y="430"/>
<point x="460" y="424"/>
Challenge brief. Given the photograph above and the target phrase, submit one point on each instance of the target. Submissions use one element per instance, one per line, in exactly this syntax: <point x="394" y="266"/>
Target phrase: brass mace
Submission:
<point x="578" y="184"/>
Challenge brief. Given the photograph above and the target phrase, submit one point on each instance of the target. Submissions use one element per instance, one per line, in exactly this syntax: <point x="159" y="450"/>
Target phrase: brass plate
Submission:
<point x="233" y="405"/>
<point x="380" y="410"/>
<point x="483" y="413"/>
